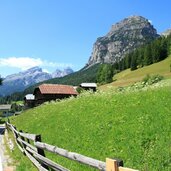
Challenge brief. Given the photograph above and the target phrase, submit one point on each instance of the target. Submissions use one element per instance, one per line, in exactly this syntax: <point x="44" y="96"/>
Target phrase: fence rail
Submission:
<point x="35" y="152"/>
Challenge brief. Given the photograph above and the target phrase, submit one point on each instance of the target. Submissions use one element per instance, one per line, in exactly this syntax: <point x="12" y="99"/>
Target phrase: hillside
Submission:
<point x="133" y="126"/>
<point x="128" y="77"/>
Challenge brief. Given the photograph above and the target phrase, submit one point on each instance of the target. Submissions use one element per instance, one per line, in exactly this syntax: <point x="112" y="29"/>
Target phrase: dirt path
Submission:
<point x="4" y="158"/>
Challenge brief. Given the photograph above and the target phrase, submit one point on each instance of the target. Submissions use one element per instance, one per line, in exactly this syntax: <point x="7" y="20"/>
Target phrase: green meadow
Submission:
<point x="134" y="126"/>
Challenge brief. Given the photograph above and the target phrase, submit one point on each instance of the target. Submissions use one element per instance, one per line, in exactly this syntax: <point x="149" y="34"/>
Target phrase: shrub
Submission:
<point x="149" y="80"/>
<point x="79" y="89"/>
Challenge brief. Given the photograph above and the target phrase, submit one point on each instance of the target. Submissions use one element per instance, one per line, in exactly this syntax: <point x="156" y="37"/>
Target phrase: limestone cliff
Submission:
<point x="123" y="37"/>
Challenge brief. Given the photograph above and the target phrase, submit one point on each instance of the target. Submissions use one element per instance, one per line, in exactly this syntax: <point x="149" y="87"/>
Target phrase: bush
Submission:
<point x="79" y="89"/>
<point x="149" y="80"/>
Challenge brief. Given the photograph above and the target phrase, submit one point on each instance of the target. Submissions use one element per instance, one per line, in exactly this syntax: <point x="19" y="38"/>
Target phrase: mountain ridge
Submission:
<point x="19" y="81"/>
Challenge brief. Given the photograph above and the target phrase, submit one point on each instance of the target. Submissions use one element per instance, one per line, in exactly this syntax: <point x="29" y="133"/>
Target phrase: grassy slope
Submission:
<point x="132" y="126"/>
<point x="128" y="77"/>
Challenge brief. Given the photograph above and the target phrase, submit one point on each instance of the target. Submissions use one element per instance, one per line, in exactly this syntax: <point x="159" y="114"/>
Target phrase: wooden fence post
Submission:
<point x="6" y="126"/>
<point x="41" y="151"/>
<point x="24" y="146"/>
<point x="113" y="164"/>
<point x="8" y="120"/>
<point x="16" y="135"/>
<point x="28" y="139"/>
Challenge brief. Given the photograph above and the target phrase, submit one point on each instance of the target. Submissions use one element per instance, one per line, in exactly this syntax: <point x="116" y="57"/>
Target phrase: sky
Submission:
<point x="55" y="34"/>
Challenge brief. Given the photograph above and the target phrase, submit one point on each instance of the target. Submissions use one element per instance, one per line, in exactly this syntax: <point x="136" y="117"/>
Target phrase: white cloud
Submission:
<point x="24" y="63"/>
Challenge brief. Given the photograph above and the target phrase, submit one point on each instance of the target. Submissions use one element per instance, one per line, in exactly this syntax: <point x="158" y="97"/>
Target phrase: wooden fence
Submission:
<point x="32" y="146"/>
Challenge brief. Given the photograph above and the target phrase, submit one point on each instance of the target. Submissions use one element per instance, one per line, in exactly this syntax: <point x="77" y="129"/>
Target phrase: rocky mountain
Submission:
<point x="58" y="73"/>
<point x="18" y="82"/>
<point x="123" y="38"/>
<point x="28" y="77"/>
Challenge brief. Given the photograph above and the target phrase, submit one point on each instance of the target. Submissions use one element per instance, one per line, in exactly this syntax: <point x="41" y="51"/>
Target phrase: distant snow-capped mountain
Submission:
<point x="59" y="73"/>
<point x="28" y="77"/>
<point x="18" y="82"/>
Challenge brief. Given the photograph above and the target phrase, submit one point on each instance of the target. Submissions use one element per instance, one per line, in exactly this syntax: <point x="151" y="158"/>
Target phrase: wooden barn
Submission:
<point x="48" y="92"/>
<point x="89" y="86"/>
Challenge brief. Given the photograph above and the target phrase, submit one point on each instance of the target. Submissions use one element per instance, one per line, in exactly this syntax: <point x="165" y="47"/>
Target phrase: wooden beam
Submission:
<point x="27" y="144"/>
<point x="21" y="149"/>
<point x="47" y="161"/>
<point x="34" y="161"/>
<point x="28" y="136"/>
<point x="126" y="169"/>
<point x="25" y="135"/>
<point x="73" y="156"/>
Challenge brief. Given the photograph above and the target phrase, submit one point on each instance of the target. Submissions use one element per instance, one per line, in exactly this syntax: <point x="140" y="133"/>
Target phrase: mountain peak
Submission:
<point x="124" y="37"/>
<point x="131" y="22"/>
<point x="33" y="69"/>
<point x="59" y="73"/>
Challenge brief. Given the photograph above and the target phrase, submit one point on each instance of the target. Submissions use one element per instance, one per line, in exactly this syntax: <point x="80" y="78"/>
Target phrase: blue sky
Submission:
<point x="59" y="33"/>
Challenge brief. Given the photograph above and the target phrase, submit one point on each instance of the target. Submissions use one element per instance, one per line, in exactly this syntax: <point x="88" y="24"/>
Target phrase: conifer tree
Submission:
<point x="105" y="74"/>
<point x="128" y="61"/>
<point x="163" y="48"/>
<point x="147" y="55"/>
<point x="133" y="62"/>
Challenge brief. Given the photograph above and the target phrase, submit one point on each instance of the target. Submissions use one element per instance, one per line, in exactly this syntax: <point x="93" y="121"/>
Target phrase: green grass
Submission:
<point x="128" y="77"/>
<point x="21" y="162"/>
<point x="132" y="126"/>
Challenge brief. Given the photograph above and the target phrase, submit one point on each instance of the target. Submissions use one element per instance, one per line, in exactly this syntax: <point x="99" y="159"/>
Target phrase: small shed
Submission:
<point x="29" y="101"/>
<point x="48" y="92"/>
<point x="5" y="109"/>
<point x="89" y="86"/>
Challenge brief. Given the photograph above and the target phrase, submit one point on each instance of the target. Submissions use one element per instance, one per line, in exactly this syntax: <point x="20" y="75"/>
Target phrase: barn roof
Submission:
<point x="57" y="89"/>
<point x="88" y="85"/>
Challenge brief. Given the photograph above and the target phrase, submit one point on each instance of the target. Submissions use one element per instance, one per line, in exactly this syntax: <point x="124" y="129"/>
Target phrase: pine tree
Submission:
<point x="148" y="55"/>
<point x="100" y="74"/>
<point x="164" y="49"/>
<point x="128" y="60"/>
<point x="105" y="74"/>
<point x="133" y="62"/>
<point x="108" y="73"/>
<point x="169" y="45"/>
<point x="155" y="51"/>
